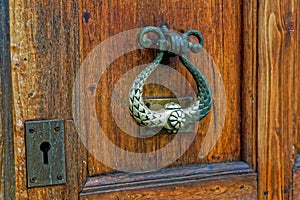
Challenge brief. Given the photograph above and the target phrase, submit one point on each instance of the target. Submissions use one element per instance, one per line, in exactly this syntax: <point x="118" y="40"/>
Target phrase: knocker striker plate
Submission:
<point x="173" y="117"/>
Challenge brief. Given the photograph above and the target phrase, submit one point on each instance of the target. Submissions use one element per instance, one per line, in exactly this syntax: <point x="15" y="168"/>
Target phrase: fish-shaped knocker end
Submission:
<point x="173" y="117"/>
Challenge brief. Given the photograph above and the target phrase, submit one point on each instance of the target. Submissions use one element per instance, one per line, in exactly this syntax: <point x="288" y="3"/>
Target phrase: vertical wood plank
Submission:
<point x="76" y="162"/>
<point x="7" y="168"/>
<point x="298" y="75"/>
<point x="249" y="83"/>
<point x="296" y="171"/>
<point x="45" y="45"/>
<point x="276" y="97"/>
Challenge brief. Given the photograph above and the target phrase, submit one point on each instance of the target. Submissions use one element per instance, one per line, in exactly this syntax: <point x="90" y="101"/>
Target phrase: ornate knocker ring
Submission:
<point x="173" y="117"/>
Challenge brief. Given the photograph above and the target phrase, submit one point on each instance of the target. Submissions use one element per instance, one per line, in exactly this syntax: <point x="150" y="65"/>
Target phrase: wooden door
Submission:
<point x="254" y="47"/>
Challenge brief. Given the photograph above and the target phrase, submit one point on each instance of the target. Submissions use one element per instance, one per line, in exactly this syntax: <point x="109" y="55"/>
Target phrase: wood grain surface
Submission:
<point x="276" y="98"/>
<point x="234" y="180"/>
<point x="45" y="55"/>
<point x="296" y="185"/>
<point x="7" y="165"/>
<point x="215" y="20"/>
<point x="164" y="177"/>
<point x="207" y="190"/>
<point x="296" y="178"/>
<point x="237" y="187"/>
<point x="249" y="84"/>
<point x="254" y="44"/>
<point x="296" y="175"/>
<point x="297" y="32"/>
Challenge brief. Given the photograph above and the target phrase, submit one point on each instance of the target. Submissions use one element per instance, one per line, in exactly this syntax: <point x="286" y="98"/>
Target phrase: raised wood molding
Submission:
<point x="249" y="84"/>
<point x="7" y="167"/>
<point x="123" y="184"/>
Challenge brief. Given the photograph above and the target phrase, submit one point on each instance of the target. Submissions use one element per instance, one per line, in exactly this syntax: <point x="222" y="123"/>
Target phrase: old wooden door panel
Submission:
<point x="50" y="39"/>
<point x="223" y="45"/>
<point x="221" y="26"/>
<point x="43" y="75"/>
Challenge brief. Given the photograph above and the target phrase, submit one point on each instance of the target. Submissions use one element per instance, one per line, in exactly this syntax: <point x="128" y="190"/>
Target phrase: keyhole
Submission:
<point x="45" y="147"/>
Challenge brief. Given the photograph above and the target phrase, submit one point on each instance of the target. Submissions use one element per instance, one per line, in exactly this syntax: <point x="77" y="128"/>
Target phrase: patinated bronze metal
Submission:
<point x="173" y="117"/>
<point x="45" y="152"/>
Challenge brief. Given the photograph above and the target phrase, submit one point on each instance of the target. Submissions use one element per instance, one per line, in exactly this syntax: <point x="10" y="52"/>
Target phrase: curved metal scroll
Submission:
<point x="173" y="117"/>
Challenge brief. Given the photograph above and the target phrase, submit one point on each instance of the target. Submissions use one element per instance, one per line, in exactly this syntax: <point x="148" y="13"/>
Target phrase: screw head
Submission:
<point x="32" y="180"/>
<point x="59" y="177"/>
<point x="31" y="130"/>
<point x="57" y="128"/>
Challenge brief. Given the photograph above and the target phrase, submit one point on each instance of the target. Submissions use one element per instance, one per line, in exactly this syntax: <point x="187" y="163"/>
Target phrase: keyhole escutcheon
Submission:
<point x="45" y="147"/>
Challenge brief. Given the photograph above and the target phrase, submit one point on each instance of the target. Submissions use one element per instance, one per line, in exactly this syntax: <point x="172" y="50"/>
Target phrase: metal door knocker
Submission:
<point x="173" y="117"/>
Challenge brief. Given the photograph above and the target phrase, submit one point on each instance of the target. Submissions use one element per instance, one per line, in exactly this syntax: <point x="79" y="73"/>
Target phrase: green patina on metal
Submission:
<point x="45" y="153"/>
<point x="173" y="117"/>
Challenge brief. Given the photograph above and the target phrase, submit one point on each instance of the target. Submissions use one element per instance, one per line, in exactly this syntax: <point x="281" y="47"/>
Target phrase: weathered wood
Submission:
<point x="46" y="41"/>
<point x="225" y="181"/>
<point x="76" y="163"/>
<point x="276" y="97"/>
<point x="296" y="171"/>
<point x="298" y="74"/>
<point x="296" y="185"/>
<point x="7" y="165"/>
<point x="123" y="181"/>
<point x="45" y="44"/>
<point x="216" y="20"/>
<point x="297" y="32"/>
<point x="49" y="39"/>
<point x="237" y="187"/>
<point x="249" y="84"/>
<point x="296" y="179"/>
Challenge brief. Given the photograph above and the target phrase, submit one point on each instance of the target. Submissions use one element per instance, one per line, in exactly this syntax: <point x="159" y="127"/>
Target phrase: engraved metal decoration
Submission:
<point x="173" y="117"/>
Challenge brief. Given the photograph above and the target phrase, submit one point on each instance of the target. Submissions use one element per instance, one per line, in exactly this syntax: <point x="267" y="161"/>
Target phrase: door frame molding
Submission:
<point x="245" y="169"/>
<point x="7" y="164"/>
<point x="236" y="178"/>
